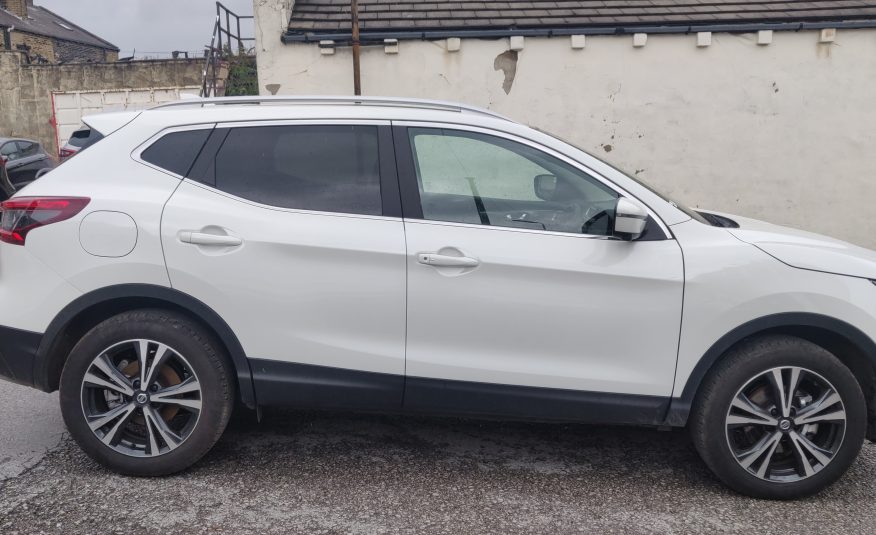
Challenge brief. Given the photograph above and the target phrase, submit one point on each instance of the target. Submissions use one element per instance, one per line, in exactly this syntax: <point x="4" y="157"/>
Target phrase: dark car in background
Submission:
<point x="22" y="159"/>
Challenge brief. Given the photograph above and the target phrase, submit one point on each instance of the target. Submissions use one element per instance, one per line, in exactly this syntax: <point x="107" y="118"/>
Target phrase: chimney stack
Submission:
<point x="16" y="7"/>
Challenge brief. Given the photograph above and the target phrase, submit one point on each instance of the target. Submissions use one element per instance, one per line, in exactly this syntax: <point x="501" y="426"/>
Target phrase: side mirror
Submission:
<point x="545" y="187"/>
<point x="629" y="219"/>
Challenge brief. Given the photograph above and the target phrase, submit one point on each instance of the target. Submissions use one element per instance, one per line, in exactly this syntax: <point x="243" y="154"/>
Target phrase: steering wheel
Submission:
<point x="566" y="217"/>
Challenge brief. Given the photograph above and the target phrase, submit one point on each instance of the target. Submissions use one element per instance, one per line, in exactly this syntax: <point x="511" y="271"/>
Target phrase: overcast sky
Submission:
<point x="149" y="26"/>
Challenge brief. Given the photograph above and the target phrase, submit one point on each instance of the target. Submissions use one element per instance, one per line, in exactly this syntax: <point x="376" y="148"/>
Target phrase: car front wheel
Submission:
<point x="779" y="418"/>
<point x="146" y="393"/>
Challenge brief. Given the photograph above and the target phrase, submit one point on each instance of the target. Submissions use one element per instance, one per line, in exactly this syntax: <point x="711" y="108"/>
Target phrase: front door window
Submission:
<point x="467" y="177"/>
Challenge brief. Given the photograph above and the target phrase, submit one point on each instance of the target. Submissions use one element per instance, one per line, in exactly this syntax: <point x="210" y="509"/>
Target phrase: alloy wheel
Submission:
<point x="141" y="398"/>
<point x="786" y="424"/>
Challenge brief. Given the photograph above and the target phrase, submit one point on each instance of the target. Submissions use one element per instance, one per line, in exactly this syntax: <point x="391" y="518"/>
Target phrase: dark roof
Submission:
<point x="387" y="16"/>
<point x="41" y="21"/>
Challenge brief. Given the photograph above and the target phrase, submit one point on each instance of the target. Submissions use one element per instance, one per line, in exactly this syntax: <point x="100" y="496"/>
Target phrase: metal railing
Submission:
<point x="226" y="33"/>
<point x="437" y="105"/>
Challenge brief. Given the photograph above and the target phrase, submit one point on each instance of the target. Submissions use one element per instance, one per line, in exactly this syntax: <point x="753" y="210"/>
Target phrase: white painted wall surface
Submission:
<point x="784" y="132"/>
<point x="71" y="106"/>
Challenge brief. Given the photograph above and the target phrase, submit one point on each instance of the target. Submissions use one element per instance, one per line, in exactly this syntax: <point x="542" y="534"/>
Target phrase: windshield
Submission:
<point x="688" y="211"/>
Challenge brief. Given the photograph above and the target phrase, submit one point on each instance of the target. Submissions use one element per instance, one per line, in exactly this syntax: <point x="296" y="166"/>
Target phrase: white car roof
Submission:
<point x="237" y="109"/>
<point x="241" y="109"/>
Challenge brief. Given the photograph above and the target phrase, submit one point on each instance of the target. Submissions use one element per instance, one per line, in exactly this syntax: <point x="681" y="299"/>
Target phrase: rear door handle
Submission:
<point x="201" y="238"/>
<point x="439" y="260"/>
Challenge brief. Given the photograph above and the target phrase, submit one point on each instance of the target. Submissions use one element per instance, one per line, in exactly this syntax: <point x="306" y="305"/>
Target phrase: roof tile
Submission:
<point x="41" y="21"/>
<point x="377" y="15"/>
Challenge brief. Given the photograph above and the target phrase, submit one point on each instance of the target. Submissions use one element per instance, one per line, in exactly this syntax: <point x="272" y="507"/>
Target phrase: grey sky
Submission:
<point x="149" y="26"/>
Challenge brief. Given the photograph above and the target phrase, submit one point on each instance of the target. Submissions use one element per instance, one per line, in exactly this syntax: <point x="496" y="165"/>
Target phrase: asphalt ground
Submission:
<point x="307" y="472"/>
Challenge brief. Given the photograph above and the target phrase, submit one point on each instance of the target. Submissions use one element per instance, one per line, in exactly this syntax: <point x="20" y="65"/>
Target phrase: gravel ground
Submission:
<point x="345" y="473"/>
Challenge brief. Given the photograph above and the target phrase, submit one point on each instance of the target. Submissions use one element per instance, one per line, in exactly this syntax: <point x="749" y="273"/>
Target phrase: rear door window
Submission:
<point x="326" y="168"/>
<point x="28" y="149"/>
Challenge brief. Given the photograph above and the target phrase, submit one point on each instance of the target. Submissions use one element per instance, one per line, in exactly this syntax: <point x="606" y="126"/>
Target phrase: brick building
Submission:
<point x="44" y="37"/>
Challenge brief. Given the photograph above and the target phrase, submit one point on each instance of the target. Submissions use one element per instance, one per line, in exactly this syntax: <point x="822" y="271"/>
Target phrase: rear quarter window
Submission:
<point x="177" y="151"/>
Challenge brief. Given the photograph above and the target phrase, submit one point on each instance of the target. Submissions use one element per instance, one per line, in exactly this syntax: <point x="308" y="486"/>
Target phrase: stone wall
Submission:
<point x="39" y="49"/>
<point x="26" y="90"/>
<point x="36" y="48"/>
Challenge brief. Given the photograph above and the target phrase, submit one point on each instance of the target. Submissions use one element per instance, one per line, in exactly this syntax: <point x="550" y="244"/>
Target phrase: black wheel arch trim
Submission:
<point x="680" y="407"/>
<point x="195" y="307"/>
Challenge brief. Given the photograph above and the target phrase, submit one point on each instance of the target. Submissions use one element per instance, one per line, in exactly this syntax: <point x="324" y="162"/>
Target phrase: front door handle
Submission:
<point x="440" y="260"/>
<point x="201" y="238"/>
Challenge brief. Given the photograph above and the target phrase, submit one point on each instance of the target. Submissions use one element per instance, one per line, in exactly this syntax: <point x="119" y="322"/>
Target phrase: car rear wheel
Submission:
<point x="146" y="393"/>
<point x="779" y="418"/>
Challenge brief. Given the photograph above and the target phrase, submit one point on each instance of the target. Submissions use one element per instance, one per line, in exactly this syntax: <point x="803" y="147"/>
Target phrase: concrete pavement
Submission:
<point x="30" y="427"/>
<point x="302" y="472"/>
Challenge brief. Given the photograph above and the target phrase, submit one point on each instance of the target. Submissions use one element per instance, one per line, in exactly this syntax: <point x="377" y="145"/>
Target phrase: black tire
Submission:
<point x="709" y="416"/>
<point x="202" y="353"/>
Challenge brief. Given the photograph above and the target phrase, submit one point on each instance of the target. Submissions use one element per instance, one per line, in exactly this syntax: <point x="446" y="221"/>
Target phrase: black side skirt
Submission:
<point x="308" y="386"/>
<point x="531" y="403"/>
<point x="320" y="387"/>
<point x="17" y="350"/>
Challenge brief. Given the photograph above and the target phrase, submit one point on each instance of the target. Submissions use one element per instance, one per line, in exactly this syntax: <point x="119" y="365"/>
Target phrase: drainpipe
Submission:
<point x="357" y="82"/>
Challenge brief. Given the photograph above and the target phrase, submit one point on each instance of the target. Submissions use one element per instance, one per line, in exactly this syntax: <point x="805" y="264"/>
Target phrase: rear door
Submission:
<point x="520" y="302"/>
<point x="31" y="159"/>
<point x="25" y="158"/>
<point x="292" y="233"/>
<point x="11" y="156"/>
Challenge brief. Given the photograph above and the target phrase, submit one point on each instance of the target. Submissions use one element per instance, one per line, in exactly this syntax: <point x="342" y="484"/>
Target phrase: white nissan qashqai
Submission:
<point x="423" y="257"/>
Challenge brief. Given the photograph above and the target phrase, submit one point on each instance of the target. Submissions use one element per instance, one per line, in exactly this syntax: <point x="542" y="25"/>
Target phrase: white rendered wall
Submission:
<point x="783" y="132"/>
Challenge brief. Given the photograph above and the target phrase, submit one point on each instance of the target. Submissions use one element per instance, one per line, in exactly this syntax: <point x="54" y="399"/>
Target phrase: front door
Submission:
<point x="519" y="301"/>
<point x="287" y="232"/>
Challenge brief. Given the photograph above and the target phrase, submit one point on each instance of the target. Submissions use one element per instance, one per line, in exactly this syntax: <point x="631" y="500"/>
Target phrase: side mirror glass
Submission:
<point x="545" y="187"/>
<point x="629" y="219"/>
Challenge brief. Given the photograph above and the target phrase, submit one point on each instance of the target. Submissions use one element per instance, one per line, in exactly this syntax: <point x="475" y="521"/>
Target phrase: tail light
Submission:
<point x="21" y="215"/>
<point x="66" y="153"/>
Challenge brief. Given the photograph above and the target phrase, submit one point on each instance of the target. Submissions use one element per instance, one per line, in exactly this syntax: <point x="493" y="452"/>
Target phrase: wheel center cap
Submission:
<point x="785" y="424"/>
<point x="141" y="398"/>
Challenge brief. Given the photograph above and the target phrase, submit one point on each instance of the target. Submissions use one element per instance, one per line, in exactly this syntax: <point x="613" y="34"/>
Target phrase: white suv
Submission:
<point x="424" y="257"/>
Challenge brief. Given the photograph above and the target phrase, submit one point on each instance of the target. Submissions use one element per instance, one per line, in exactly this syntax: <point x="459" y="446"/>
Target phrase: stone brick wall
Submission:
<point x="37" y="48"/>
<point x="26" y="90"/>
<point x="40" y="50"/>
